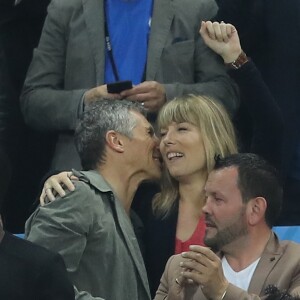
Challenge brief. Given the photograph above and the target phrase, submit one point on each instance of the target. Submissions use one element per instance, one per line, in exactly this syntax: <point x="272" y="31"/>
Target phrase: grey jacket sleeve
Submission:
<point x="45" y="103"/>
<point x="62" y="226"/>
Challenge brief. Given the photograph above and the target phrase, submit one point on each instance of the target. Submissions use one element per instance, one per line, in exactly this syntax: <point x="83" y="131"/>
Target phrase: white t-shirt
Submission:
<point x="240" y="279"/>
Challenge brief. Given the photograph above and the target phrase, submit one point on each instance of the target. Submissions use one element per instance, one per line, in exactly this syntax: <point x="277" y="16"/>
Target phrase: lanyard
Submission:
<point x="108" y="44"/>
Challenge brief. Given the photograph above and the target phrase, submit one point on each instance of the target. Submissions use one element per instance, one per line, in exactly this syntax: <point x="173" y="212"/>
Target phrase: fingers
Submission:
<point x="43" y="197"/>
<point x="68" y="183"/>
<point x="205" y="251"/>
<point x="98" y="93"/>
<point x="151" y="93"/>
<point x="54" y="185"/>
<point x="199" y="259"/>
<point x="216" y="31"/>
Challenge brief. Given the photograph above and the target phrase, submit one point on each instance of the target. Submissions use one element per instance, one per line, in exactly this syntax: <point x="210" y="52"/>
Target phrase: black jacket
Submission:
<point x="30" y="272"/>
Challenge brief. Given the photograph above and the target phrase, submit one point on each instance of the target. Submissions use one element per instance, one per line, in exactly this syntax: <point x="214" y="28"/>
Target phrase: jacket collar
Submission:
<point x="94" y="178"/>
<point x="94" y="19"/>
<point x="270" y="256"/>
<point x="122" y="220"/>
<point x="162" y="16"/>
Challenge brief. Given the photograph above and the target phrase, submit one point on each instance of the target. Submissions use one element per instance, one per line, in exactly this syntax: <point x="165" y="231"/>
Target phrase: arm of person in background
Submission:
<point x="46" y="101"/>
<point x="265" y="113"/>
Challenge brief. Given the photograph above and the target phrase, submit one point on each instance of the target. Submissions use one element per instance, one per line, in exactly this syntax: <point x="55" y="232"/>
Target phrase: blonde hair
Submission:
<point x="217" y="133"/>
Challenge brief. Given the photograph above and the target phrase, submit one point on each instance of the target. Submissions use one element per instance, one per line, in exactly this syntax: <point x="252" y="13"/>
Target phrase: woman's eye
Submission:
<point x="182" y="128"/>
<point x="162" y="134"/>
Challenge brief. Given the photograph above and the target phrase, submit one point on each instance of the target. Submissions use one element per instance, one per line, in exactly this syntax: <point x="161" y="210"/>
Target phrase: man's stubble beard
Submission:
<point x="227" y="235"/>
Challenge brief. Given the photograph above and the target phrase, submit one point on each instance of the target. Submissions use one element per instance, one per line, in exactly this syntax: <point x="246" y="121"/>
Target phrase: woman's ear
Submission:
<point x="115" y="141"/>
<point x="257" y="209"/>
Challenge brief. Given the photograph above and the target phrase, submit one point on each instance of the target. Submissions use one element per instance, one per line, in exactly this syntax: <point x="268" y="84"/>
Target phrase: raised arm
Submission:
<point x="255" y="95"/>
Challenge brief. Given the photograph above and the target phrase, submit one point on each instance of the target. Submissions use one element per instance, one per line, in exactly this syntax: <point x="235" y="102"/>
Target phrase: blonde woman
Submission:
<point x="193" y="130"/>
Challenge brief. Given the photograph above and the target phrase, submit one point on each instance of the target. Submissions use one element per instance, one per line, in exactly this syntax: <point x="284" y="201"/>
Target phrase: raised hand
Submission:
<point x="222" y="38"/>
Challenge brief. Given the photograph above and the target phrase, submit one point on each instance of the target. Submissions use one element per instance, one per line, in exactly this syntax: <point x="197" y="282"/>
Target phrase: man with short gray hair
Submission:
<point x="91" y="227"/>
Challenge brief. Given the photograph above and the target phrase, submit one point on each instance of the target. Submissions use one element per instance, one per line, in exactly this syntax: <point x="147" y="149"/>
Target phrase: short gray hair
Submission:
<point x="100" y="117"/>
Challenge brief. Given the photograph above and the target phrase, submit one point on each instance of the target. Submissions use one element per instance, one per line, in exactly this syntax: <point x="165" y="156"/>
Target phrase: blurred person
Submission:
<point x="91" y="227"/>
<point x="243" y="256"/>
<point x="84" y="46"/>
<point x="28" y="271"/>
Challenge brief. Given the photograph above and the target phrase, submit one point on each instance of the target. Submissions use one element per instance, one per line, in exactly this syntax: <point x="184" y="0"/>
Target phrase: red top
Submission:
<point x="197" y="238"/>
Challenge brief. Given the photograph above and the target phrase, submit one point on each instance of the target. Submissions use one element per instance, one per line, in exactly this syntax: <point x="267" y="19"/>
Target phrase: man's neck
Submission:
<point x="123" y="185"/>
<point x="244" y="252"/>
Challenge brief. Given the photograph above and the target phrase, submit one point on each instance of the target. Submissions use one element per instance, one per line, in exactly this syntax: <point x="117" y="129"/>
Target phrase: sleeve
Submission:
<point x="210" y="75"/>
<point x="62" y="226"/>
<point x="163" y="288"/>
<point x="235" y="293"/>
<point x="45" y="104"/>
<point x="169" y="289"/>
<point x="266" y="116"/>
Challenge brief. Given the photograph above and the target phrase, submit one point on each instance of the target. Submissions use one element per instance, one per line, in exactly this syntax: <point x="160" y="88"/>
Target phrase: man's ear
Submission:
<point x="257" y="209"/>
<point x="115" y="141"/>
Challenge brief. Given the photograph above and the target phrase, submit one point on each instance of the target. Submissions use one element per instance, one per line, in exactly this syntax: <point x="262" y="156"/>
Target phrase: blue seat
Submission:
<point x="291" y="233"/>
<point x="20" y="235"/>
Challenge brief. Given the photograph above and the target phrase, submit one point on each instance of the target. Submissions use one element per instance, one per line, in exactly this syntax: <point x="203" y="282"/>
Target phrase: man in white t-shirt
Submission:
<point x="244" y="256"/>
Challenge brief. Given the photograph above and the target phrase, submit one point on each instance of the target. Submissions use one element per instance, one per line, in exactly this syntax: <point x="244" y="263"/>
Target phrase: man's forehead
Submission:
<point x="222" y="178"/>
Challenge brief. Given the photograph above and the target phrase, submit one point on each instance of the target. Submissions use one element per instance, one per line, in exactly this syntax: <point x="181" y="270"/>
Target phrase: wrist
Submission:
<point x="238" y="62"/>
<point x="223" y="291"/>
<point x="232" y="56"/>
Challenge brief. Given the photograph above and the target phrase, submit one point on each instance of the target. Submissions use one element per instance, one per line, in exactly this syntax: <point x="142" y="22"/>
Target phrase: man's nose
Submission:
<point x="206" y="207"/>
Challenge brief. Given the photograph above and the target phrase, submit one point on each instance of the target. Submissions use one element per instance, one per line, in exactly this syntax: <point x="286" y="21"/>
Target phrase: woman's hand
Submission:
<point x="222" y="38"/>
<point x="55" y="185"/>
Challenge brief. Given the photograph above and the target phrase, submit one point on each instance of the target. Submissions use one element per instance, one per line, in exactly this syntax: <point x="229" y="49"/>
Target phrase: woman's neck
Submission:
<point x="191" y="192"/>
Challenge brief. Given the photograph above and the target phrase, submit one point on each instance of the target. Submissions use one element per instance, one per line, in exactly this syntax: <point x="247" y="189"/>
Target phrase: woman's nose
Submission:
<point x="168" y="138"/>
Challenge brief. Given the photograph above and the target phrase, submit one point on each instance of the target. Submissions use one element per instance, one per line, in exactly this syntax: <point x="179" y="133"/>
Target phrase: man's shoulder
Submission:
<point x="92" y="180"/>
<point x="290" y="247"/>
<point x="66" y="5"/>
